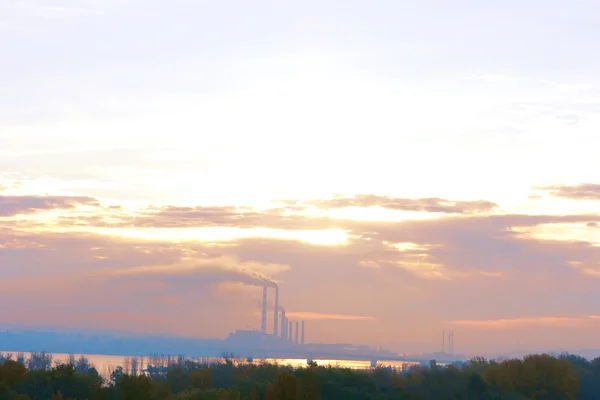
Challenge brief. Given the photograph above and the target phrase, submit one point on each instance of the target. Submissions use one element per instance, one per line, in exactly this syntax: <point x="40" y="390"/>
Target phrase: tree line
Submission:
<point x="537" y="377"/>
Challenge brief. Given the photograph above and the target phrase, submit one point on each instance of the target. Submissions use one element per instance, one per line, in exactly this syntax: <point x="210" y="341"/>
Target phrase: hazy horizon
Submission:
<point x="54" y="340"/>
<point x="399" y="168"/>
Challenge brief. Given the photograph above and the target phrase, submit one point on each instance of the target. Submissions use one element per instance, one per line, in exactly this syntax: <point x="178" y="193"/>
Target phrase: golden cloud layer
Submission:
<point x="167" y="257"/>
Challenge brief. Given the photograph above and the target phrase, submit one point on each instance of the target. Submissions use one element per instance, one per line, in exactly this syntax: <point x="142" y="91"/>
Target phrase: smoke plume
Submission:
<point x="210" y="270"/>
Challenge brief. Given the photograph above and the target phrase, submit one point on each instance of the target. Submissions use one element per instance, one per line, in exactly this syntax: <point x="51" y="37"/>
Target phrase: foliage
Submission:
<point x="537" y="377"/>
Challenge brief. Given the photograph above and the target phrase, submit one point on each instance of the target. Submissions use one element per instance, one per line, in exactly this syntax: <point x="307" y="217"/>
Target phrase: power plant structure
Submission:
<point x="284" y="336"/>
<point x="275" y="318"/>
<point x="287" y="340"/>
<point x="450" y="342"/>
<point x="283" y="328"/>
<point x="263" y="322"/>
<point x="296" y="336"/>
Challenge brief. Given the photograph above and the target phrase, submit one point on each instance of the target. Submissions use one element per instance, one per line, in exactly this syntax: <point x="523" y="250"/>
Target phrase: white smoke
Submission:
<point x="216" y="269"/>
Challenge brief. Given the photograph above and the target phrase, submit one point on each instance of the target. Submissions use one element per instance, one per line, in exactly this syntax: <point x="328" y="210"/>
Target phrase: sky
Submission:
<point x="399" y="168"/>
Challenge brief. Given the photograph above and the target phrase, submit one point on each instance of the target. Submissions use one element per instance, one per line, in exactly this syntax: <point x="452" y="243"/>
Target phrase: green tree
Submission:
<point x="477" y="386"/>
<point x="286" y="386"/>
<point x="57" y="396"/>
<point x="12" y="372"/>
<point x="308" y="385"/>
<point x="131" y="387"/>
<point x="201" y="378"/>
<point x="21" y="397"/>
<point x="178" y="379"/>
<point x="116" y="375"/>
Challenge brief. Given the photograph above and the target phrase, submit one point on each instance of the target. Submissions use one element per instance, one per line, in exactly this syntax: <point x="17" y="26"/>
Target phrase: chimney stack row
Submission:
<point x="286" y="331"/>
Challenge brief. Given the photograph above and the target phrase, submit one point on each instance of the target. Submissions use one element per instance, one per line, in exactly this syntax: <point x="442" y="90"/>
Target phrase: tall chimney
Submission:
<point x="283" y="324"/>
<point x="276" y="313"/>
<point x="296" y="338"/>
<point x="302" y="337"/>
<point x="443" y="341"/>
<point x="263" y="325"/>
<point x="290" y="332"/>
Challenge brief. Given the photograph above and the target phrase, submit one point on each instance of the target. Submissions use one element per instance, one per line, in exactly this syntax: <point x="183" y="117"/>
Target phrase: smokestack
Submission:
<point x="283" y="324"/>
<point x="296" y="338"/>
<point x="443" y="341"/>
<point x="302" y="337"/>
<point x="290" y="331"/>
<point x="451" y="342"/>
<point x="263" y="325"/>
<point x="276" y="313"/>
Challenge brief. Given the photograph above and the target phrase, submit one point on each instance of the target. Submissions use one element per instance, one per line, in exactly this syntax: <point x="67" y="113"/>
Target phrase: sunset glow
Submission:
<point x="397" y="169"/>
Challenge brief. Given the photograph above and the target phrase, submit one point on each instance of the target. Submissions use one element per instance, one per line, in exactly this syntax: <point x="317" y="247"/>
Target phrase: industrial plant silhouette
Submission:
<point x="288" y="341"/>
<point x="286" y="325"/>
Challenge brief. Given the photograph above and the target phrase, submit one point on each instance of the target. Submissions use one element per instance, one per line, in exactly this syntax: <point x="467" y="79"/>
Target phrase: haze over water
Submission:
<point x="106" y="364"/>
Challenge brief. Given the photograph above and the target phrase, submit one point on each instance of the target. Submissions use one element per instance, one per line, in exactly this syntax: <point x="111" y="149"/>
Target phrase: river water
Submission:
<point x="105" y="364"/>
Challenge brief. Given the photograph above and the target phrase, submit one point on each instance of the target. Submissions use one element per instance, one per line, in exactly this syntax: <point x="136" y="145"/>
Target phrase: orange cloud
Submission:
<point x="511" y="323"/>
<point x="168" y="277"/>
<point x="15" y="205"/>
<point x="433" y="204"/>
<point x="583" y="191"/>
<point x="317" y="316"/>
<point x="117" y="317"/>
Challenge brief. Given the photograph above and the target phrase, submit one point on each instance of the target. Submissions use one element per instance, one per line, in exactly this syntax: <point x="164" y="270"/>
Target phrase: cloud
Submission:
<point x="449" y="247"/>
<point x="62" y="276"/>
<point x="564" y="322"/>
<point x="288" y="217"/>
<point x="448" y="267"/>
<point x="433" y="204"/>
<point x="14" y="205"/>
<point x="212" y="216"/>
<point x="583" y="191"/>
<point x="458" y="264"/>
<point x="308" y="316"/>
<point x="215" y="269"/>
<point x="116" y="317"/>
<point x="48" y="9"/>
<point x="59" y="255"/>
<point x="468" y="246"/>
<point x="8" y="184"/>
<point x="36" y="16"/>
